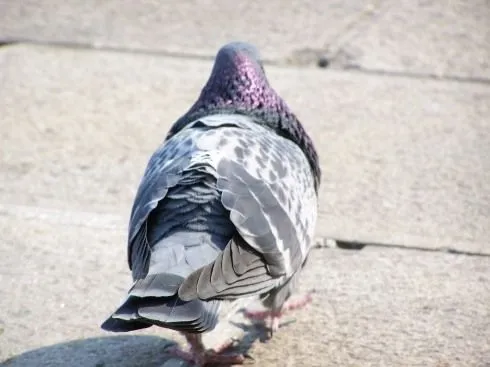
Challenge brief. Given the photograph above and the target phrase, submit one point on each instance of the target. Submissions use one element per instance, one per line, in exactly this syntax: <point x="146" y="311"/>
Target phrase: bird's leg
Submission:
<point x="199" y="356"/>
<point x="196" y="350"/>
<point x="274" y="316"/>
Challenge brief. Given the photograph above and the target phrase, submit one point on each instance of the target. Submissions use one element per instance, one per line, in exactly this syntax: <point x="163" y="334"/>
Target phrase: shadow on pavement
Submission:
<point x="123" y="351"/>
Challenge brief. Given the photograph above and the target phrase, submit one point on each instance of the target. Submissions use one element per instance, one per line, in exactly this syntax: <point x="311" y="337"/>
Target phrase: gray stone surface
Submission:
<point x="439" y="38"/>
<point x="388" y="308"/>
<point x="189" y="27"/>
<point x="406" y="162"/>
<point x="431" y="38"/>
<point x="371" y="307"/>
<point x="62" y="274"/>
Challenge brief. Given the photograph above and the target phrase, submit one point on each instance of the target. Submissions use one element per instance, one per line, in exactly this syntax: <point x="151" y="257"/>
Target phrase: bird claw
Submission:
<point x="215" y="356"/>
<point x="275" y="316"/>
<point x="248" y="359"/>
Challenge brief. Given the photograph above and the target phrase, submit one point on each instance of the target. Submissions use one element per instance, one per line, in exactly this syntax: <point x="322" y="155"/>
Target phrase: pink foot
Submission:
<point x="207" y="358"/>
<point x="200" y="357"/>
<point x="275" y="316"/>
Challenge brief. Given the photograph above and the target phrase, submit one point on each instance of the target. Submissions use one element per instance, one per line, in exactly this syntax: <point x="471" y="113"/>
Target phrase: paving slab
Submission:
<point x="441" y="39"/>
<point x="61" y="277"/>
<point x="405" y="161"/>
<point x="437" y="38"/>
<point x="188" y="26"/>
<point x="388" y="308"/>
<point x="62" y="274"/>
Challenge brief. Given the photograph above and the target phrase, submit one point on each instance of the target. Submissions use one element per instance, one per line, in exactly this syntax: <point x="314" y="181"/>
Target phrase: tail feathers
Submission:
<point x="156" y="285"/>
<point x="154" y="301"/>
<point x="125" y="318"/>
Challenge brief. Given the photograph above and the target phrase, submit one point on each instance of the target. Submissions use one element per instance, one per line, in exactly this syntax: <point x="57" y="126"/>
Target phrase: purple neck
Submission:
<point x="238" y="85"/>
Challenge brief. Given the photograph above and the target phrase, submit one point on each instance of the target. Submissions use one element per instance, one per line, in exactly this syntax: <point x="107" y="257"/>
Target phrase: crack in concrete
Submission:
<point x="419" y="75"/>
<point x="302" y="58"/>
<point x="105" y="48"/>
<point x="114" y="222"/>
<point x="329" y="243"/>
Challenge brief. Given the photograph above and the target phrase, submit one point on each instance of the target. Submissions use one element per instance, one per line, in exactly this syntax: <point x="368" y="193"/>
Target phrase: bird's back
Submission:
<point x="216" y="184"/>
<point x="227" y="205"/>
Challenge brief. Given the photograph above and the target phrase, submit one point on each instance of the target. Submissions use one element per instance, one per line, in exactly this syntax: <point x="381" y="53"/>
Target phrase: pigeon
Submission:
<point x="226" y="208"/>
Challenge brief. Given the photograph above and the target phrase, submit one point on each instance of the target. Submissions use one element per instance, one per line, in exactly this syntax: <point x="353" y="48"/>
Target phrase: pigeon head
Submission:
<point x="238" y="84"/>
<point x="238" y="80"/>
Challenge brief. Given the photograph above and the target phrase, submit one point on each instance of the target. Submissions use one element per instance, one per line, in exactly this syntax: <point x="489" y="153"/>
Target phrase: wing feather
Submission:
<point x="164" y="171"/>
<point x="267" y="185"/>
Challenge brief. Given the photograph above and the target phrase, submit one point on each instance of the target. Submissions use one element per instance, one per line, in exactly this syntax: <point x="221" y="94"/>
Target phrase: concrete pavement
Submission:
<point x="442" y="39"/>
<point x="394" y="149"/>
<point x="404" y="141"/>
<point x="374" y="307"/>
<point x="193" y="28"/>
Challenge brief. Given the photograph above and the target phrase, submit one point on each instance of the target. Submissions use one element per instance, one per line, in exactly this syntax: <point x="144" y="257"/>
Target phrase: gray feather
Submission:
<point x="237" y="271"/>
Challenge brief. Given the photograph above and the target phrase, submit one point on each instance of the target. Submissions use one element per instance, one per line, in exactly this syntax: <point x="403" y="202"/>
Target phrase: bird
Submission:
<point x="226" y="208"/>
